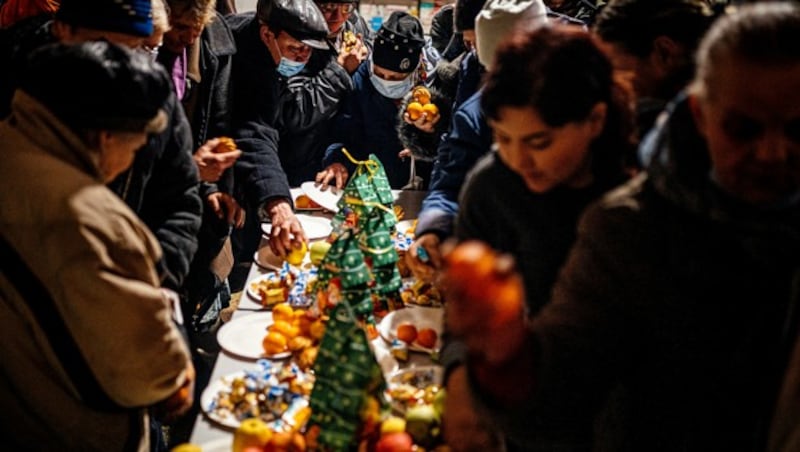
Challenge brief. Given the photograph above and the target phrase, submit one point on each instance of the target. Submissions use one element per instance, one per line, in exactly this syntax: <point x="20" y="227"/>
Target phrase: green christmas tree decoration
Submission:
<point x="346" y="374"/>
<point x="354" y="270"/>
<point x="375" y="239"/>
<point x="380" y="182"/>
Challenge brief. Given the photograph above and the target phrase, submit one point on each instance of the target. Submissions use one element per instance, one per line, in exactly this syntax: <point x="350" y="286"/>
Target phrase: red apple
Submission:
<point x="395" y="442"/>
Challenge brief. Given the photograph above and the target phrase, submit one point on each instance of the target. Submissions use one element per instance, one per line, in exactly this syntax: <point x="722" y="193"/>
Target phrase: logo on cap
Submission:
<point x="405" y="63"/>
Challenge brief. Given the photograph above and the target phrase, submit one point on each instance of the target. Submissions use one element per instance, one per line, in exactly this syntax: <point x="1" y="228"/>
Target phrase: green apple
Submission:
<point x="438" y="401"/>
<point x="318" y="251"/>
<point x="420" y="421"/>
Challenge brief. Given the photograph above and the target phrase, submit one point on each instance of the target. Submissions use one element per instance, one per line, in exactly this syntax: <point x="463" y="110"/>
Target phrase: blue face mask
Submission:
<point x="287" y="67"/>
<point x="393" y="89"/>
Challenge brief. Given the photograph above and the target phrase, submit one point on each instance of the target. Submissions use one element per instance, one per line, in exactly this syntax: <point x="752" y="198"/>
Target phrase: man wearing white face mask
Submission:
<point x="367" y="121"/>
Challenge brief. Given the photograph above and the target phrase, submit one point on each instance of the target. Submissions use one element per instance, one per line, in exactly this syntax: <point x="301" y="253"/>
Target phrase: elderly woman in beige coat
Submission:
<point x="88" y="340"/>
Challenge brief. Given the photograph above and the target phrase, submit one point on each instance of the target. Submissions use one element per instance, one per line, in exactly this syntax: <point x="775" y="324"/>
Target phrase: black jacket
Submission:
<point x="209" y="104"/>
<point x="297" y="109"/>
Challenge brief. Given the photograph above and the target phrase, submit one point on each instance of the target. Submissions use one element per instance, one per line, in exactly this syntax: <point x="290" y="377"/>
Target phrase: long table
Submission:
<point x="216" y="438"/>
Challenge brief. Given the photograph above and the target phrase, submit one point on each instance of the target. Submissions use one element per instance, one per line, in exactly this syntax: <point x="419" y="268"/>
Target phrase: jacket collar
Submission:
<point x="679" y="167"/>
<point x="43" y="129"/>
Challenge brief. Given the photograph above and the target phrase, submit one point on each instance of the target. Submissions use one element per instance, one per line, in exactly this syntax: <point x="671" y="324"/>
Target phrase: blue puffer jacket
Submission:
<point x="367" y="124"/>
<point x="469" y="139"/>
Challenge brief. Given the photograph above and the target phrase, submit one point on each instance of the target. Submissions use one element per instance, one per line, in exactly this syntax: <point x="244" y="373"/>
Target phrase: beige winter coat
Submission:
<point x="97" y="261"/>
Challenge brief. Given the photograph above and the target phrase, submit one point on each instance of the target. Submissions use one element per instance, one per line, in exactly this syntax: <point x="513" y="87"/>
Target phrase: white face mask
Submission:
<point x="393" y="89"/>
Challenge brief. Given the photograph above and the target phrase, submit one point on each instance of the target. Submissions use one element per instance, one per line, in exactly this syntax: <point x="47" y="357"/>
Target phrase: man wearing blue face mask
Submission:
<point x="367" y="122"/>
<point x="282" y="95"/>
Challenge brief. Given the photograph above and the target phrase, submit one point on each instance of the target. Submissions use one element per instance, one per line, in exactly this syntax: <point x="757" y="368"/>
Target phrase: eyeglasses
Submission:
<point x="330" y="8"/>
<point x="148" y="50"/>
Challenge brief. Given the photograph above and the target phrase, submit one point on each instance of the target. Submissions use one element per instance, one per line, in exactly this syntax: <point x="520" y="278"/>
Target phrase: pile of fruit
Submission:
<point x="424" y="337"/>
<point x="294" y="330"/>
<point x="421" y="104"/>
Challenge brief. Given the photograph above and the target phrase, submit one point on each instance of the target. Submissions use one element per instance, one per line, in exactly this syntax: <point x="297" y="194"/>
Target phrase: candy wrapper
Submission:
<point x="274" y="392"/>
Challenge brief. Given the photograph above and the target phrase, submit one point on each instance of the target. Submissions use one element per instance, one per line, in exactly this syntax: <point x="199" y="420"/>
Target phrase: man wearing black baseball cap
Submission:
<point x="288" y="84"/>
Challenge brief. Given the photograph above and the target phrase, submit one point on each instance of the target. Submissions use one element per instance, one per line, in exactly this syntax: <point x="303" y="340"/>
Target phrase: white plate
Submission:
<point x="417" y="377"/>
<point x="327" y="198"/>
<point x="403" y="226"/>
<point x="316" y="228"/>
<point x="218" y="445"/>
<point x="207" y="402"/>
<point x="242" y="336"/>
<point x="418" y="316"/>
<point x="298" y="298"/>
<point x="251" y="292"/>
<point x="210" y="393"/>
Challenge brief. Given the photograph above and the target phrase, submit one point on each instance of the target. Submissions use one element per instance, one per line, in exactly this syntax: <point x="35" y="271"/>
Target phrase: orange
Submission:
<point x="285" y="328"/>
<point x="431" y="109"/>
<point x="406" y="332"/>
<point x="304" y="202"/>
<point x="317" y="330"/>
<point x="225" y="144"/>
<point x="414" y="110"/>
<point x="282" y="311"/>
<point x="484" y="282"/>
<point x="274" y="343"/>
<point x="421" y="95"/>
<point x="427" y="337"/>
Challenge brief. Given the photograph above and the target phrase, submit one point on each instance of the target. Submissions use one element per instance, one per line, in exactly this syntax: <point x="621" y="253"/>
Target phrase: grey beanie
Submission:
<point x="498" y="17"/>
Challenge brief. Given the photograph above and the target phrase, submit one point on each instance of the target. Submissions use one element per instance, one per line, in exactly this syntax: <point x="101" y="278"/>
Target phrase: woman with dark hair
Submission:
<point x="562" y="130"/>
<point x="673" y="319"/>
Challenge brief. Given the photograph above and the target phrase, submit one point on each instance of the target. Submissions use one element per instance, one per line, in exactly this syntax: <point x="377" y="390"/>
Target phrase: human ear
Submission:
<point x="266" y="34"/>
<point x="597" y="119"/>
<point x="665" y="53"/>
<point x="697" y="113"/>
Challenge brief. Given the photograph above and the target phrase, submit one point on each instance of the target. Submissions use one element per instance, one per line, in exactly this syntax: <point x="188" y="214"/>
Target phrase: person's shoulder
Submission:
<point x="100" y="213"/>
<point x="472" y="106"/>
<point x="488" y="170"/>
<point x="219" y="36"/>
<point x="628" y="207"/>
<point x="362" y="71"/>
<point x="240" y="21"/>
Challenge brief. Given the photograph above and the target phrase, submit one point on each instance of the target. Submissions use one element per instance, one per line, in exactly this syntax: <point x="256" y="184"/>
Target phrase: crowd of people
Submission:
<point x="637" y="160"/>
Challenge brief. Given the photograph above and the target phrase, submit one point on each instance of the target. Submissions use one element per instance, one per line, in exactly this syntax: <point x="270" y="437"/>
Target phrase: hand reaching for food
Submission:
<point x="423" y="257"/>
<point x="352" y="52"/>
<point x="287" y="232"/>
<point x="336" y="173"/>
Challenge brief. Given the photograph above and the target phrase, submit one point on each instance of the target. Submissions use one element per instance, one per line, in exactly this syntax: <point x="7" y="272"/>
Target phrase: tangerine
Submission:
<point x="431" y="109"/>
<point x="421" y="95"/>
<point x="304" y="202"/>
<point x="427" y="337"/>
<point x="488" y="286"/>
<point x="274" y="343"/>
<point x="406" y="332"/>
<point x="284" y="328"/>
<point x="414" y="110"/>
<point x="226" y="144"/>
<point x="283" y="311"/>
